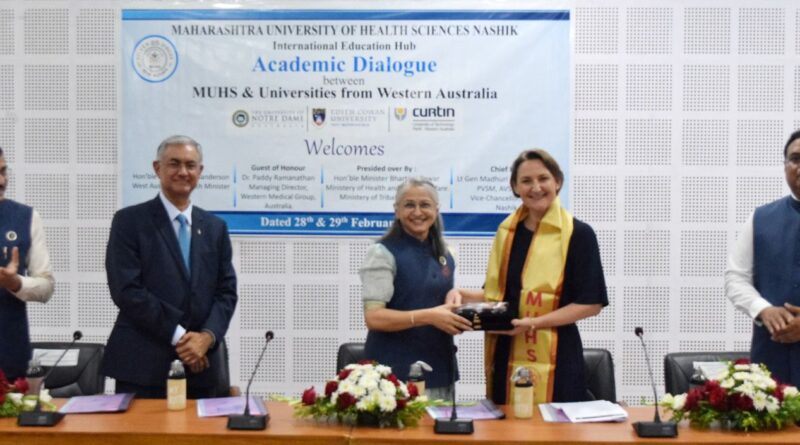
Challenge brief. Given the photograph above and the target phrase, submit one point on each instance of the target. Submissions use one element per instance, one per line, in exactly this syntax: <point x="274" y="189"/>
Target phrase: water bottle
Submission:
<point x="176" y="387"/>
<point x="416" y="376"/>
<point x="34" y="376"/>
<point x="522" y="393"/>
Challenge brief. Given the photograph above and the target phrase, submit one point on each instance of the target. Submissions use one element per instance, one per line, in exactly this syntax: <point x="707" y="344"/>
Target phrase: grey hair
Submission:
<point x="178" y="140"/>
<point x="436" y="234"/>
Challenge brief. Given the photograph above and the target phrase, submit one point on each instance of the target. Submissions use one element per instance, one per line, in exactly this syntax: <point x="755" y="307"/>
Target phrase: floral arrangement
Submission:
<point x="365" y="393"/>
<point x="743" y="397"/>
<point x="13" y="399"/>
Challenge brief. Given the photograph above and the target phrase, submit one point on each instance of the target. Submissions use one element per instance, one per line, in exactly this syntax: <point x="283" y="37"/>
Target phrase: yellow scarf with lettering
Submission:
<point x="542" y="280"/>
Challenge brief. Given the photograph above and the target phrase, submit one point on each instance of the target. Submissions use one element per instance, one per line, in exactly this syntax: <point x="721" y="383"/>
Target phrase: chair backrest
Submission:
<point x="349" y="353"/>
<point x="679" y="367"/>
<point x="224" y="375"/>
<point x="599" y="374"/>
<point x="83" y="379"/>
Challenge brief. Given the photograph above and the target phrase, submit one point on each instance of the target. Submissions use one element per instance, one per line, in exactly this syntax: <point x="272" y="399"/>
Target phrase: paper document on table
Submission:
<point x="579" y="412"/>
<point x="48" y="357"/>
<point x="710" y="370"/>
<point x="226" y="406"/>
<point x="482" y="410"/>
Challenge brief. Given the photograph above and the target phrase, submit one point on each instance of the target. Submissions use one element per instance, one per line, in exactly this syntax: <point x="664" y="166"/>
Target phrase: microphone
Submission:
<point x="454" y="425"/>
<point x="246" y="421"/>
<point x="656" y="428"/>
<point x="37" y="417"/>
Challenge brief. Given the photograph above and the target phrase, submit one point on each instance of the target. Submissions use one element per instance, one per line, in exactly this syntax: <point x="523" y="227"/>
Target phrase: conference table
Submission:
<point x="149" y="422"/>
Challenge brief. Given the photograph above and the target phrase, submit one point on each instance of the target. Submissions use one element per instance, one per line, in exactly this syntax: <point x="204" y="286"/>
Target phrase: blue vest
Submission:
<point x="421" y="282"/>
<point x="15" y="344"/>
<point x="776" y="276"/>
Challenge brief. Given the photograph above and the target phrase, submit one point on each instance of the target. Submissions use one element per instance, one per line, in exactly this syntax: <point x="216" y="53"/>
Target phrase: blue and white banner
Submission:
<point x="310" y="119"/>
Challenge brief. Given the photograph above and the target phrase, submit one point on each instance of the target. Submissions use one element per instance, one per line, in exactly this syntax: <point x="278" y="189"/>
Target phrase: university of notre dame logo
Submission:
<point x="318" y="116"/>
<point x="240" y="118"/>
<point x="155" y="58"/>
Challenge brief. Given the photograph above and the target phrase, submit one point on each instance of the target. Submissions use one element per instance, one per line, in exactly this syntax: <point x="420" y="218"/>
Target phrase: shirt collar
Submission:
<point x="173" y="211"/>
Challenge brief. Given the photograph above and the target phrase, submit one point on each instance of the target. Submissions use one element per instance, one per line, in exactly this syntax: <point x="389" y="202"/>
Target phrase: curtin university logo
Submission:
<point x="154" y="58"/>
<point x="318" y="116"/>
<point x="240" y="118"/>
<point x="400" y="113"/>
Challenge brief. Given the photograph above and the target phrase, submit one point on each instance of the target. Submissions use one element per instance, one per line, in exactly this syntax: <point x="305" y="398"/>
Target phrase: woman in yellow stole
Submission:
<point x="546" y="265"/>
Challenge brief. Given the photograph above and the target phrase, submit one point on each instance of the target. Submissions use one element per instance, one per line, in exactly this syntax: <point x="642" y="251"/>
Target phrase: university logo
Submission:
<point x="400" y="113"/>
<point x="240" y="118"/>
<point x="155" y="58"/>
<point x="318" y="116"/>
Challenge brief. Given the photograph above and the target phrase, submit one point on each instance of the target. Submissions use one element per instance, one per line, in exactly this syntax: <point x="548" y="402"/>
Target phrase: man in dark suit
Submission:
<point x="170" y="273"/>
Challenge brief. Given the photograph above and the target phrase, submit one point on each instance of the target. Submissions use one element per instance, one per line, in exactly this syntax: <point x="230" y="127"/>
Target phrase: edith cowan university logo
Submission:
<point x="318" y="116"/>
<point x="400" y="113"/>
<point x="154" y="58"/>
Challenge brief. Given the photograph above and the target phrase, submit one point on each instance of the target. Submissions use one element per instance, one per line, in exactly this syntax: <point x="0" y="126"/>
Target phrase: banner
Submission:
<point x="310" y="119"/>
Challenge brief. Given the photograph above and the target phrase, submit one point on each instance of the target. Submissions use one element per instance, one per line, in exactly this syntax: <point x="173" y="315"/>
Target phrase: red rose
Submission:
<point x="3" y="379"/>
<point x="345" y="400"/>
<point x="742" y="361"/>
<point x="344" y="373"/>
<point x="401" y="404"/>
<point x="778" y="393"/>
<point x="330" y="387"/>
<point x="692" y="398"/>
<point x="711" y="385"/>
<point x="393" y="378"/>
<point x="413" y="391"/>
<point x="21" y="385"/>
<point x="309" y="396"/>
<point x="366" y="361"/>
<point x="718" y="399"/>
<point x="742" y="402"/>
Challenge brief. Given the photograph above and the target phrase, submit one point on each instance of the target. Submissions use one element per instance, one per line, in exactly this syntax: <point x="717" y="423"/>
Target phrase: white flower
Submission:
<point x="15" y="397"/>
<point x="741" y="367"/>
<point x="727" y="383"/>
<point x="759" y="401"/>
<point x="772" y="405"/>
<point x="383" y="370"/>
<point x="388" y="388"/>
<point x="369" y="382"/>
<point x="667" y="400"/>
<point x="387" y="404"/>
<point x="790" y="391"/>
<point x="747" y="389"/>
<point x="404" y="390"/>
<point x="742" y="376"/>
<point x="45" y="396"/>
<point x="678" y="402"/>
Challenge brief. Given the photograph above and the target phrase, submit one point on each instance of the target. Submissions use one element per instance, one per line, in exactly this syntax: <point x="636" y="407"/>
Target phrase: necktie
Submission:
<point x="184" y="239"/>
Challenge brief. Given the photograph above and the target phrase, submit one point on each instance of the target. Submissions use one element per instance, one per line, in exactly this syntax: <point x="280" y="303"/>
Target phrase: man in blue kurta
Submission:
<point x="25" y="275"/>
<point x="763" y="275"/>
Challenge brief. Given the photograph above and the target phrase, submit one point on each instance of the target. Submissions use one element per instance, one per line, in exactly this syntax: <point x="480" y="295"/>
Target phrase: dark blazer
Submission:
<point x="154" y="293"/>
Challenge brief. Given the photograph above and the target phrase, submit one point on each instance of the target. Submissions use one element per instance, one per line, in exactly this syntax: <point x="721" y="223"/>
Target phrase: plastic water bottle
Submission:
<point x="176" y="387"/>
<point x="523" y="393"/>
<point x="34" y="376"/>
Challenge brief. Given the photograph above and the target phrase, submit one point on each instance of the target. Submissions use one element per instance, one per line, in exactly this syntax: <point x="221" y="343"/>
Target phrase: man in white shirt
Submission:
<point x="25" y="275"/>
<point x="763" y="275"/>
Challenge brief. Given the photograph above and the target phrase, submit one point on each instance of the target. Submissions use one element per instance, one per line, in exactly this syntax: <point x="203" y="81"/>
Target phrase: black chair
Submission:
<point x="599" y="374"/>
<point x="679" y="367"/>
<point x="349" y="353"/>
<point x="224" y="388"/>
<point x="83" y="379"/>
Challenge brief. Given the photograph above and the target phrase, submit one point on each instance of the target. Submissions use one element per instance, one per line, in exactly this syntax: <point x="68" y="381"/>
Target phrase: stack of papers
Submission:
<point x="709" y="370"/>
<point x="579" y="412"/>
